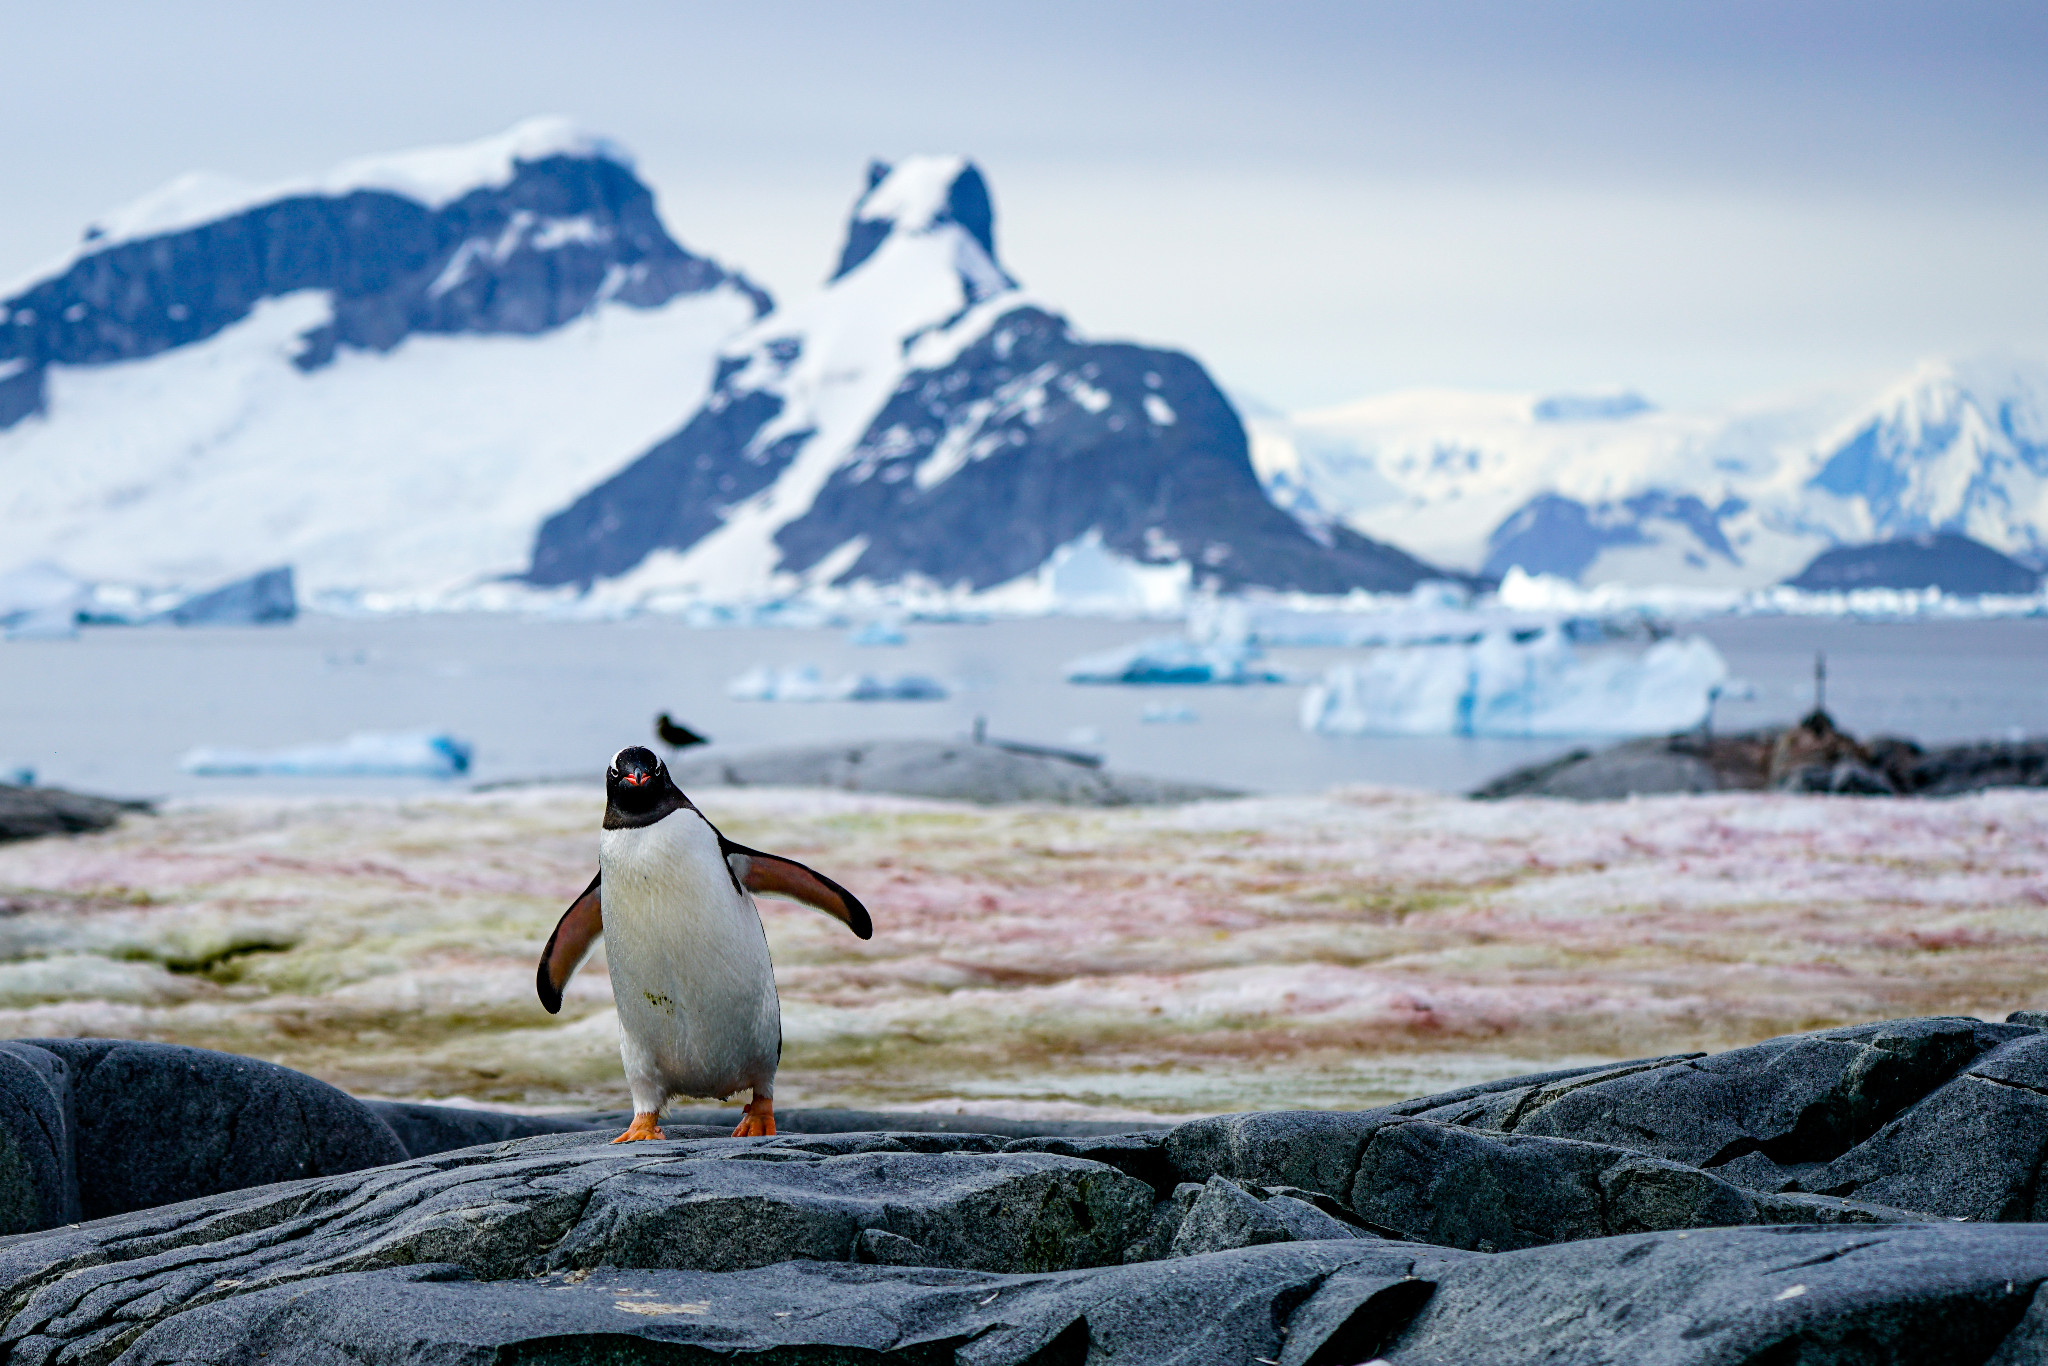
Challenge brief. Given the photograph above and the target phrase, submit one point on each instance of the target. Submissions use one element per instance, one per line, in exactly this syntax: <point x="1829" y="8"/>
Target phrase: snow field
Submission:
<point x="1329" y="950"/>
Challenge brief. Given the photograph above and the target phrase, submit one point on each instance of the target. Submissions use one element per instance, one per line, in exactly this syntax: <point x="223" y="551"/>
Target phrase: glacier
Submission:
<point x="1504" y="686"/>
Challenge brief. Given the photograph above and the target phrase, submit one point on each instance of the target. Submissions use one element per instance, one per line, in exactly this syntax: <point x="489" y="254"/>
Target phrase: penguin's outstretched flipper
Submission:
<point x="575" y="934"/>
<point x="771" y="875"/>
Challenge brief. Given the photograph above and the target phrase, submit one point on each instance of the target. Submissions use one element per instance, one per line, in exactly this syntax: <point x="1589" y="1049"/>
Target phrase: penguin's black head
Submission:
<point x="638" y="790"/>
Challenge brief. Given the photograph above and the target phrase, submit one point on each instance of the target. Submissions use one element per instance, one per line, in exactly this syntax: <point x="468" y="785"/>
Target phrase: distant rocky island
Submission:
<point x="1814" y="755"/>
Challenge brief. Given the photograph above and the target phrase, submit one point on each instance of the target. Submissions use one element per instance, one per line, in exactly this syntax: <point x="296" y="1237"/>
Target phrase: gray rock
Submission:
<point x="956" y="770"/>
<point x="1314" y="1149"/>
<point x="1168" y="1214"/>
<point x="1225" y="1215"/>
<point x="1910" y="1295"/>
<point x="32" y="812"/>
<point x="1466" y="1188"/>
<point x="426" y="1129"/>
<point x="1804" y="1098"/>
<point x="1925" y="1293"/>
<point x="1225" y="1307"/>
<point x="152" y="1124"/>
<point x="1141" y="1154"/>
<point x="38" y="1184"/>
<point x="574" y="1202"/>
<point x="1973" y="1149"/>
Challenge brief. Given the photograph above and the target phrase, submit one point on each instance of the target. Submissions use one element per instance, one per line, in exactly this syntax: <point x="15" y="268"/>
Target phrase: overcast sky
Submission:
<point x="1319" y="200"/>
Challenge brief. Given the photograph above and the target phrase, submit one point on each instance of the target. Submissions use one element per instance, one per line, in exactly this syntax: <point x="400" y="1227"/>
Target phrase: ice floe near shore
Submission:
<point x="1170" y="659"/>
<point x="806" y="684"/>
<point x="367" y="754"/>
<point x="1502" y="686"/>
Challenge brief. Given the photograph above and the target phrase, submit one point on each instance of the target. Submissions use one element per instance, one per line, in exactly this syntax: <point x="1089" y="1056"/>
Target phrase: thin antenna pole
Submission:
<point x="1820" y="680"/>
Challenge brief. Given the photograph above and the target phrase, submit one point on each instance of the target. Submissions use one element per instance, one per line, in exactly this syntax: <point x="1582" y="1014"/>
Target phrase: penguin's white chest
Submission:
<point x="698" y="1014"/>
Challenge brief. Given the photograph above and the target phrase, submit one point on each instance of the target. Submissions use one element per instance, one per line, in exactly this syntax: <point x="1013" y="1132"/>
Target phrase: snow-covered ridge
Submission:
<point x="921" y="424"/>
<point x="433" y="176"/>
<point x="386" y="393"/>
<point x="1609" y="489"/>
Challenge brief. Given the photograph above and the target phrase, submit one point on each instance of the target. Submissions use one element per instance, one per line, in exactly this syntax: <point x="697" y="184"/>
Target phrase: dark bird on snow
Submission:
<point x="675" y="736"/>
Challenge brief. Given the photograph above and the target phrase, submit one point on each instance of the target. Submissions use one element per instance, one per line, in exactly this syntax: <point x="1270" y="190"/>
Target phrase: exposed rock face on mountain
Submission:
<point x="1552" y="534"/>
<point x="382" y="376"/>
<point x="527" y="235"/>
<point x="922" y="421"/>
<point x="1860" y="1195"/>
<point x="1951" y="563"/>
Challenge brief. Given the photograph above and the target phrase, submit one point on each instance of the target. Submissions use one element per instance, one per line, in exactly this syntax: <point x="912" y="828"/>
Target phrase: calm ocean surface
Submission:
<point x="113" y="710"/>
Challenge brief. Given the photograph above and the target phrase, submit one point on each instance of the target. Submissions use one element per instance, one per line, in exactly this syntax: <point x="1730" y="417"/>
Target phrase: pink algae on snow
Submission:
<point x="1336" y="950"/>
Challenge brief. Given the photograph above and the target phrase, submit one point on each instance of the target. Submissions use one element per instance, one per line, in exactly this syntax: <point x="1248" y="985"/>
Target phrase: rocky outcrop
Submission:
<point x="28" y="813"/>
<point x="951" y="770"/>
<point x="1814" y="755"/>
<point x="1945" y="560"/>
<point x="1685" y="1209"/>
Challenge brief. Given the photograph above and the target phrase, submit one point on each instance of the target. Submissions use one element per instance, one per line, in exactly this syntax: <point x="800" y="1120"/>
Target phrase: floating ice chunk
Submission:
<point x="806" y="684"/>
<point x="257" y="600"/>
<point x="1173" y="660"/>
<point x="879" y="632"/>
<point x="424" y="754"/>
<point x="1505" y="686"/>
<point x="40" y="602"/>
<point x="1160" y="715"/>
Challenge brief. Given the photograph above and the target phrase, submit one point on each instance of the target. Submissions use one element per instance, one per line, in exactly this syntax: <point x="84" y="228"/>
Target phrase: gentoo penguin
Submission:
<point x="698" y="1014"/>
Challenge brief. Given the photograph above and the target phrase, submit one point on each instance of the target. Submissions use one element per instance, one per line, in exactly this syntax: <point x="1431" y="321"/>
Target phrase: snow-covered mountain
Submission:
<point x="1606" y="488"/>
<point x="385" y="376"/>
<point x="923" y="421"/>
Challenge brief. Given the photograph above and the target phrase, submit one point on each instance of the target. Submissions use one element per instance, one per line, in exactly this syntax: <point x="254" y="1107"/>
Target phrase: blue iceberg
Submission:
<point x="1174" y="660"/>
<point x="258" y="600"/>
<point x="40" y="602"/>
<point x="806" y="684"/>
<point x="367" y="754"/>
<point x="1507" y="686"/>
<point x="879" y="632"/>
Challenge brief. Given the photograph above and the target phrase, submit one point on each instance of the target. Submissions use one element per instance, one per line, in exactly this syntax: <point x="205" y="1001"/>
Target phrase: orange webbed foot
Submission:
<point x="759" y="1119"/>
<point x="641" y="1129"/>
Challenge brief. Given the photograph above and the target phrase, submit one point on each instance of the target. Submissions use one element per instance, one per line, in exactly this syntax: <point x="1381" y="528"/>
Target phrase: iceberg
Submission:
<point x="806" y="684"/>
<point x="881" y="631"/>
<point x="1504" y="686"/>
<point x="255" y="601"/>
<point x="40" y="602"/>
<point x="1173" y="660"/>
<point x="366" y="754"/>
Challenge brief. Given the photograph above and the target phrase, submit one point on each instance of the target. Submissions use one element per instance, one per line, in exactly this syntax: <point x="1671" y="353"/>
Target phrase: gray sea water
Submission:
<point x="113" y="710"/>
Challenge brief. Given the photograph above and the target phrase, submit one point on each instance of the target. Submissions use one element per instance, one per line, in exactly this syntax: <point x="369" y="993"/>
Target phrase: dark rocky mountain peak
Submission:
<point x="988" y="436"/>
<point x="918" y="194"/>
<point x="515" y="234"/>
